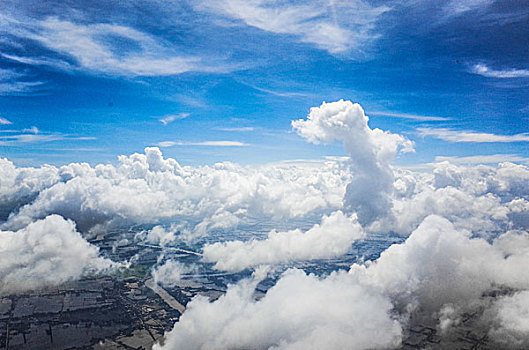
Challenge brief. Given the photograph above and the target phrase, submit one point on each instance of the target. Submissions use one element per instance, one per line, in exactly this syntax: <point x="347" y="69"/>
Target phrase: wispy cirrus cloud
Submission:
<point x="423" y="118"/>
<point x="204" y="143"/>
<point x="458" y="7"/>
<point x="103" y="48"/>
<point x="482" y="159"/>
<point x="34" y="135"/>
<point x="452" y="135"/>
<point x="172" y="117"/>
<point x="333" y="26"/>
<point x="485" y="71"/>
<point x="238" y="129"/>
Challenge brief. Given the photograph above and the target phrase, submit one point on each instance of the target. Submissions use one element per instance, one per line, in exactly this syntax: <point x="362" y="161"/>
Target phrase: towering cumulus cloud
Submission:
<point x="371" y="152"/>
<point x="147" y="188"/>
<point x="46" y="252"/>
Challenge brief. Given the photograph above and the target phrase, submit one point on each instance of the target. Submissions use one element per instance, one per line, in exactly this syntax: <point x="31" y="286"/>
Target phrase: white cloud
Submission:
<point x="438" y="270"/>
<point x="510" y="314"/>
<point x="12" y="83"/>
<point x="477" y="239"/>
<point x="4" y="121"/>
<point x="46" y="252"/>
<point x="172" y="117"/>
<point x="482" y="159"/>
<point x="34" y="135"/>
<point x="458" y="7"/>
<point x="485" y="71"/>
<point x="371" y="152"/>
<point x="330" y="239"/>
<point x="147" y="188"/>
<point x="204" y="143"/>
<point x="33" y="130"/>
<point x="423" y="118"/>
<point x="105" y="48"/>
<point x="244" y="128"/>
<point x="170" y="273"/>
<point x="336" y="26"/>
<point x="300" y="312"/>
<point x="482" y="199"/>
<point x="452" y="135"/>
<point x="160" y="235"/>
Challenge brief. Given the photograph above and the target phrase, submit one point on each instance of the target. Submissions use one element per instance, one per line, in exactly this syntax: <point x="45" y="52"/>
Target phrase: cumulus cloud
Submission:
<point x="13" y="82"/>
<point x="333" y="237"/>
<point x="170" y="273"/>
<point x="160" y="235"/>
<point x="483" y="159"/>
<point x="300" y="312"/>
<point x="371" y="152"/>
<point x="148" y="188"/>
<point x="439" y="264"/>
<point x="44" y="253"/>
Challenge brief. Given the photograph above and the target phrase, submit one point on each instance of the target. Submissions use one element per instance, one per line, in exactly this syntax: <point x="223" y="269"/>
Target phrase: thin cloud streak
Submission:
<point x="204" y="143"/>
<point x="37" y="137"/>
<point x="482" y="159"/>
<point x="485" y="71"/>
<point x="452" y="135"/>
<point x="424" y="118"/>
<point x="93" y="48"/>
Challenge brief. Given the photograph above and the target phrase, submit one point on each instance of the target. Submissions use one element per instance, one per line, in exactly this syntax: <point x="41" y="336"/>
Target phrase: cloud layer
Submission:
<point x="146" y="188"/>
<point x="45" y="253"/>
<point x="337" y="26"/>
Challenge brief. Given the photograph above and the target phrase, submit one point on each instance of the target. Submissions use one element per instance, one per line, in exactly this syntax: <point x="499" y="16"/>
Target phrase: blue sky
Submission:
<point x="210" y="81"/>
